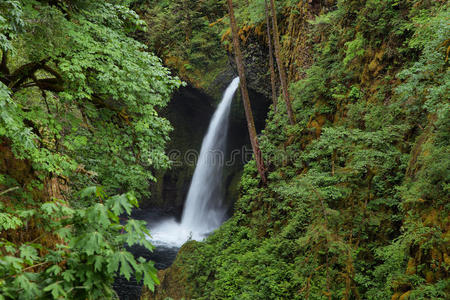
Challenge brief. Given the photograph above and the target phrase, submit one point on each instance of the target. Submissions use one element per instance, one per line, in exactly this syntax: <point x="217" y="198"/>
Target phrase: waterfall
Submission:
<point x="203" y="210"/>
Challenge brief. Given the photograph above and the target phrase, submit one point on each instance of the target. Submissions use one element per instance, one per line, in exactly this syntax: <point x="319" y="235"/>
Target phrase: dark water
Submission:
<point x="162" y="256"/>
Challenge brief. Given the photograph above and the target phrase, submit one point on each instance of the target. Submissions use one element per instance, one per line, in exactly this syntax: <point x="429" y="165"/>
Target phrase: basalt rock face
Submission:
<point x="190" y="112"/>
<point x="256" y="62"/>
<point x="239" y="149"/>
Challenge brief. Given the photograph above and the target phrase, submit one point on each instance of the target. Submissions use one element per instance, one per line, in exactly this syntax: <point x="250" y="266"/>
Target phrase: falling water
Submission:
<point x="203" y="210"/>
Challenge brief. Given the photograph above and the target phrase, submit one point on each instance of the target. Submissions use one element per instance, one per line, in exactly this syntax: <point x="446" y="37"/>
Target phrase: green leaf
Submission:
<point x="150" y="277"/>
<point x="119" y="204"/>
<point x="63" y="233"/>
<point x="30" y="289"/>
<point x="93" y="191"/>
<point x="49" y="208"/>
<point x="26" y="213"/>
<point x="91" y="243"/>
<point x="99" y="260"/>
<point x="127" y="263"/>
<point x="14" y="264"/>
<point x="56" y="290"/>
<point x="126" y="258"/>
<point x="113" y="263"/>
<point x="8" y="221"/>
<point x="98" y="214"/>
<point x="28" y="253"/>
<point x="68" y="275"/>
<point x="137" y="233"/>
<point x="55" y="270"/>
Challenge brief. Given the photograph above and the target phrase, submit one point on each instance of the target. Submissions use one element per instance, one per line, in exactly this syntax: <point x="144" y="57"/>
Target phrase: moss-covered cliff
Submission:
<point x="356" y="206"/>
<point x="189" y="112"/>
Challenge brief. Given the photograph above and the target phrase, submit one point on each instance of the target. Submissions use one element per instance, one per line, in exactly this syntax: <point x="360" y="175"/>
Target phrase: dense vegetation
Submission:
<point x="79" y="102"/>
<point x="356" y="205"/>
<point x="183" y="34"/>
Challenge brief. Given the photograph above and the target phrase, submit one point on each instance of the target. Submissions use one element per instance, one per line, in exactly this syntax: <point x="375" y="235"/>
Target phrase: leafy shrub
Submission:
<point x="78" y="253"/>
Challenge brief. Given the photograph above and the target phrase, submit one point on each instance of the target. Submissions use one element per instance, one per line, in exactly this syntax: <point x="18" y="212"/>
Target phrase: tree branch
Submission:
<point x="22" y="74"/>
<point x="19" y="77"/>
<point x="9" y="190"/>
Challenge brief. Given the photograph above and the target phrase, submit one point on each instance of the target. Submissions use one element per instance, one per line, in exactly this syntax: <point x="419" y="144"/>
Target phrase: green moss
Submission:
<point x="356" y="206"/>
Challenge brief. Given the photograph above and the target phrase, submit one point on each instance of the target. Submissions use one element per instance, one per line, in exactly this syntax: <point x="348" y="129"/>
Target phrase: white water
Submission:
<point x="203" y="210"/>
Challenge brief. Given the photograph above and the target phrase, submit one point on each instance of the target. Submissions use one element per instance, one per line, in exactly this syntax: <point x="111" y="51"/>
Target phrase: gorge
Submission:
<point x="204" y="209"/>
<point x="106" y="105"/>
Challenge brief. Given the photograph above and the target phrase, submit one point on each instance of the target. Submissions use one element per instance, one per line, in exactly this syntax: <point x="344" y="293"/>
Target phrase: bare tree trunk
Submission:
<point x="271" y="62"/>
<point x="245" y="98"/>
<point x="276" y="41"/>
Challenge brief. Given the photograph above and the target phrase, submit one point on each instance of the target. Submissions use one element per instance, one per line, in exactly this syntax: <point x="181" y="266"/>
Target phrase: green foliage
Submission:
<point x="102" y="101"/>
<point x="356" y="205"/>
<point x="11" y="22"/>
<point x="87" y="253"/>
<point x="425" y="194"/>
<point x="186" y="36"/>
<point x="79" y="105"/>
<point x="354" y="49"/>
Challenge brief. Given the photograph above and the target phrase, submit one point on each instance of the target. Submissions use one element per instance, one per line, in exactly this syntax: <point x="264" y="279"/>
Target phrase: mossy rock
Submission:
<point x="173" y="280"/>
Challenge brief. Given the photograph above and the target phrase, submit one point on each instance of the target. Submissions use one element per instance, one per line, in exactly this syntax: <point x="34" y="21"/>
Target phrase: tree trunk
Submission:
<point x="4" y="64"/>
<point x="276" y="41"/>
<point x="245" y="98"/>
<point x="271" y="62"/>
